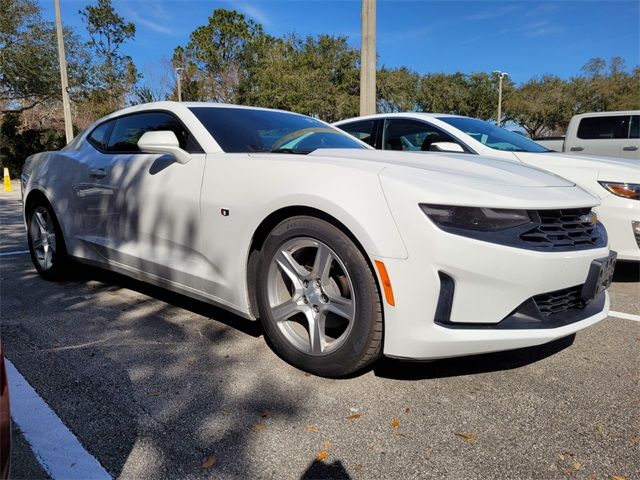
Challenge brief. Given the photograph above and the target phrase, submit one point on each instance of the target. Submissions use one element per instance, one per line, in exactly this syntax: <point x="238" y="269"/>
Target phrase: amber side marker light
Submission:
<point x="386" y="283"/>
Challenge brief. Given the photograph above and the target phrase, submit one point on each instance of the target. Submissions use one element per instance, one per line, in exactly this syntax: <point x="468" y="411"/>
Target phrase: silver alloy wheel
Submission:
<point x="43" y="237"/>
<point x="311" y="296"/>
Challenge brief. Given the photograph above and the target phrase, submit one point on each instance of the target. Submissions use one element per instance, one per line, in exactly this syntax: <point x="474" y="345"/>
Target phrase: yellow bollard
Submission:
<point x="7" y="180"/>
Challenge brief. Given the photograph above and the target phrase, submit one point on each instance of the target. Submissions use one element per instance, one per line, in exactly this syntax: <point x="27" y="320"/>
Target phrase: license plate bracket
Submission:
<point x="599" y="277"/>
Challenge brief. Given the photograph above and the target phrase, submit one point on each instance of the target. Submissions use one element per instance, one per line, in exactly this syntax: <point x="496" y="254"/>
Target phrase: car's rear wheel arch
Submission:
<point x="270" y="222"/>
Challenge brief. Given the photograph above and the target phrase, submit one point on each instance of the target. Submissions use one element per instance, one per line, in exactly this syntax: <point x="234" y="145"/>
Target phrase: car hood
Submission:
<point x="452" y="168"/>
<point x="604" y="168"/>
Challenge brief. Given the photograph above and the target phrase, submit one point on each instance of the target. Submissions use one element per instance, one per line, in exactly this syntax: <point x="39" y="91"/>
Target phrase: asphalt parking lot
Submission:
<point x="155" y="385"/>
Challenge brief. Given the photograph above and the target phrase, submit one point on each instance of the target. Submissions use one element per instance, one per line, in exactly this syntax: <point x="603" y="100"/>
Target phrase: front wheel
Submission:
<point x="46" y="244"/>
<point x="318" y="299"/>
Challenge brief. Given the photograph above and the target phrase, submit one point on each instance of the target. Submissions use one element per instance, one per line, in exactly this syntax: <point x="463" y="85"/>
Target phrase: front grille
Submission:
<point x="566" y="228"/>
<point x="560" y="300"/>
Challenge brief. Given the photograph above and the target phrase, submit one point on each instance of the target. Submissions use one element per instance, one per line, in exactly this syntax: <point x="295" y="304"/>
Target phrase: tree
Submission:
<point x="541" y="105"/>
<point x="397" y="89"/>
<point x="314" y="76"/>
<point x="114" y="74"/>
<point x="214" y="60"/>
<point x="29" y="73"/>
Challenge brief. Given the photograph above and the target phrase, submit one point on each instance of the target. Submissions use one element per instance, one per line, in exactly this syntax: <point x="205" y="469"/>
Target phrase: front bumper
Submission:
<point x="491" y="282"/>
<point x="618" y="216"/>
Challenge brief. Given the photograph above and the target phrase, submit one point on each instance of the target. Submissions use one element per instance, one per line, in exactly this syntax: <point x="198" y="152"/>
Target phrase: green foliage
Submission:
<point x="17" y="145"/>
<point x="113" y="74"/>
<point x="315" y="76"/>
<point x="29" y="73"/>
<point x="397" y="89"/>
<point x="215" y="58"/>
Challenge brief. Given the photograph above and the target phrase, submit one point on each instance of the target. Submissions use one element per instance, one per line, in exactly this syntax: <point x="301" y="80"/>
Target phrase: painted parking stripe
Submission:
<point x="626" y="316"/>
<point x="17" y="252"/>
<point x="57" y="449"/>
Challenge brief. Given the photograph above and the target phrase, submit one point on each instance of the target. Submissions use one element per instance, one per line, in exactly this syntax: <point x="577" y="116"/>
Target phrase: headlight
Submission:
<point x="625" y="190"/>
<point x="475" y="218"/>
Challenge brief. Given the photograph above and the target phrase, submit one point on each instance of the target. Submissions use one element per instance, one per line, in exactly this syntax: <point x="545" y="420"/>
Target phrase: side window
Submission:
<point x="361" y="130"/>
<point x="634" y="131"/>
<point x="128" y="130"/>
<point x="412" y="135"/>
<point x="603" y="128"/>
<point x="100" y="135"/>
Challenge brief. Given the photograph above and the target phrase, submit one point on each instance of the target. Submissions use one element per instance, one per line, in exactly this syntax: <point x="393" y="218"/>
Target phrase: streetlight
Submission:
<point x="179" y="75"/>
<point x="501" y="75"/>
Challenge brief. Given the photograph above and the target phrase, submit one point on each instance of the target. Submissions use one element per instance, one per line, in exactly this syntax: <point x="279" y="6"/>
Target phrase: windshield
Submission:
<point x="244" y="130"/>
<point x="494" y="137"/>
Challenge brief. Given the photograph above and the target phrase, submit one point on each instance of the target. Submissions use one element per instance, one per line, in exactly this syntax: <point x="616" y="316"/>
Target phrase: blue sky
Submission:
<point x="524" y="38"/>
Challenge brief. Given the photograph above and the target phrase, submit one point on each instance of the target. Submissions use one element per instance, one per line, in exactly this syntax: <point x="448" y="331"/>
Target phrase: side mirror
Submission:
<point x="446" y="147"/>
<point x="163" y="141"/>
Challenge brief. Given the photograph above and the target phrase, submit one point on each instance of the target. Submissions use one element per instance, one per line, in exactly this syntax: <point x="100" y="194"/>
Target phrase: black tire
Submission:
<point x="60" y="265"/>
<point x="361" y="343"/>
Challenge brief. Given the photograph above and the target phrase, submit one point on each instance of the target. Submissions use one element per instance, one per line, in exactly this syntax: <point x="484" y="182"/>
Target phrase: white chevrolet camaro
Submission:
<point x="343" y="252"/>
<point x="615" y="181"/>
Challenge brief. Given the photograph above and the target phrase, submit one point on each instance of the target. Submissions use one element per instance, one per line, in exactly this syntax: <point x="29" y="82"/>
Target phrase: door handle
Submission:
<point x="97" y="172"/>
<point x="632" y="148"/>
<point x="577" y="149"/>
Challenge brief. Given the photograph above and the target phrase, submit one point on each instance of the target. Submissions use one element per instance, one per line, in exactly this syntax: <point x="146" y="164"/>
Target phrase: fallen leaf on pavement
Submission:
<point x="357" y="468"/>
<point x="618" y="477"/>
<point x="307" y="374"/>
<point x="322" y="455"/>
<point x="209" y="462"/>
<point x="259" y="426"/>
<point x="577" y="465"/>
<point x="633" y="440"/>
<point x="312" y="429"/>
<point x="264" y="414"/>
<point x="327" y="444"/>
<point x="469" y="437"/>
<point x="355" y="416"/>
<point x="407" y="410"/>
<point x="395" y="423"/>
<point x="155" y="393"/>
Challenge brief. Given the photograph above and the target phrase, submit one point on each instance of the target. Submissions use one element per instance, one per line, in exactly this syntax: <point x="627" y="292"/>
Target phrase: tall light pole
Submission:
<point x="66" y="106"/>
<point x="179" y="76"/>
<point x="501" y="75"/>
<point x="368" y="59"/>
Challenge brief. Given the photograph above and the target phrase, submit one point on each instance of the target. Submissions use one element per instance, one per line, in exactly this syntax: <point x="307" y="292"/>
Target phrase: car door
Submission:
<point x="413" y="135"/>
<point x="600" y="135"/>
<point x="631" y="146"/>
<point x="154" y="225"/>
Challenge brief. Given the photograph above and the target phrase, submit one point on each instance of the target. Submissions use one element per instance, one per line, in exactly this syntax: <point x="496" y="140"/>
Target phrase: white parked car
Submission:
<point x="611" y="134"/>
<point x="615" y="181"/>
<point x="343" y="252"/>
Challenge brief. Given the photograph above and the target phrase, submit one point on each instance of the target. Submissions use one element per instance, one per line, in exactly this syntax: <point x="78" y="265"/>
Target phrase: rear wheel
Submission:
<point x="46" y="244"/>
<point x="318" y="299"/>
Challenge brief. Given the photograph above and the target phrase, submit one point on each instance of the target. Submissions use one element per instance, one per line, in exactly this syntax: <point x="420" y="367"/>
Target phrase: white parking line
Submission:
<point x="57" y="449"/>
<point x="626" y="316"/>
<point x="18" y="252"/>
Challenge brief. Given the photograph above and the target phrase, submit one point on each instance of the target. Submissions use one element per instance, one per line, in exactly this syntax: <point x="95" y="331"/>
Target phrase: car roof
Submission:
<point x="399" y="114"/>
<point x="607" y="114"/>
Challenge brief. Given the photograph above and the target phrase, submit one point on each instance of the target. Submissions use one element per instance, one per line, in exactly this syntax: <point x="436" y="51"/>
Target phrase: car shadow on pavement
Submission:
<point x="87" y="273"/>
<point x="452" y="367"/>
<point x="627" y="272"/>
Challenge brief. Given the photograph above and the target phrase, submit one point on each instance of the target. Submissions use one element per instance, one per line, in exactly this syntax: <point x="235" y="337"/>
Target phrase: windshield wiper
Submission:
<point x="289" y="150"/>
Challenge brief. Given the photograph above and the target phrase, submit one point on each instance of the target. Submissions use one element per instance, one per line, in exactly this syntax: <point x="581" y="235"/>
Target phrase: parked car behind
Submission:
<point x="612" y="134"/>
<point x="615" y="181"/>
<point x="344" y="253"/>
